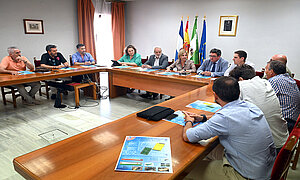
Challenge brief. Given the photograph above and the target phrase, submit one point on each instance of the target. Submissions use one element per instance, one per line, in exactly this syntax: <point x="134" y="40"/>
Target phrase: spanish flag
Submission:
<point x="186" y="44"/>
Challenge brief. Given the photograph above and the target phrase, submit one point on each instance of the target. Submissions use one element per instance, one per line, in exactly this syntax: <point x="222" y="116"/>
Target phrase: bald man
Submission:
<point x="282" y="58"/>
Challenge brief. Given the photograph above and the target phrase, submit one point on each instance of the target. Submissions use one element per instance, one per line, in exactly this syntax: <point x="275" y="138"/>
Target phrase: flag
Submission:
<point x="202" y="49"/>
<point x="194" y="48"/>
<point x="179" y="39"/>
<point x="186" y="44"/>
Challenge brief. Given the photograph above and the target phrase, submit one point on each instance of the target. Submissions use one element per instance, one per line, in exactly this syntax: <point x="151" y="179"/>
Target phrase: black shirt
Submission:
<point x="56" y="61"/>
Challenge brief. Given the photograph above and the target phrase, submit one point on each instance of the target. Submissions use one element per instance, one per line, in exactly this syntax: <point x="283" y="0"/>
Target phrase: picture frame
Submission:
<point x="33" y="26"/>
<point x="228" y="25"/>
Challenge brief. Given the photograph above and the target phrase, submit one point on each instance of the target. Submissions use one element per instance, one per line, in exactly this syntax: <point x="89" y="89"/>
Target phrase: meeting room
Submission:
<point x="139" y="89"/>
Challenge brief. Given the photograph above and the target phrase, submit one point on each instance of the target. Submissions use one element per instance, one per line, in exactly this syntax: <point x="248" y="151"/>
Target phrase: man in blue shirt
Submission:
<point x="243" y="131"/>
<point x="214" y="66"/>
<point x="81" y="56"/>
<point x="286" y="90"/>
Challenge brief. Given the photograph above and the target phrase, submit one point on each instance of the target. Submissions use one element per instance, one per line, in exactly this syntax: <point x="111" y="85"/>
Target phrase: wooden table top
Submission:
<point x="7" y="79"/>
<point x="153" y="75"/>
<point x="94" y="153"/>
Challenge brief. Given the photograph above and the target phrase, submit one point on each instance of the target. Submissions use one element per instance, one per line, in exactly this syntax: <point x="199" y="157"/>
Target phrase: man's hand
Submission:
<point x="168" y="70"/>
<point x="187" y="117"/>
<point x="87" y="63"/>
<point x="146" y="66"/>
<point x="206" y="73"/>
<point x="197" y="117"/>
<point x="60" y="66"/>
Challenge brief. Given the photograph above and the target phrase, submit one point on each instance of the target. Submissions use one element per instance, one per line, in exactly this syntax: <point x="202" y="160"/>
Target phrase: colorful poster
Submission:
<point x="200" y="76"/>
<point x="168" y="73"/>
<point x="180" y="119"/>
<point x="205" y="106"/>
<point x="25" y="72"/>
<point x="121" y="67"/>
<point x="145" y="154"/>
<point x="67" y="68"/>
<point x="88" y="66"/>
<point x="144" y="69"/>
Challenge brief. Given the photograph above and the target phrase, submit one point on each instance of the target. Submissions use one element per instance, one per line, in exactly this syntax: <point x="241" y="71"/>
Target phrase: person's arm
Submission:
<point x="91" y="59"/>
<point x="193" y="67"/>
<point x="3" y="66"/>
<point x="26" y="62"/>
<point x="138" y="60"/>
<point x="169" y="68"/>
<point x="189" y="121"/>
<point x="202" y="67"/>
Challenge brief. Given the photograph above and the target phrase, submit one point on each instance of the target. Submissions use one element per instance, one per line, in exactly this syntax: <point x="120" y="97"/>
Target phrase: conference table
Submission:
<point x="93" y="154"/>
<point x="172" y="85"/>
<point x="7" y="80"/>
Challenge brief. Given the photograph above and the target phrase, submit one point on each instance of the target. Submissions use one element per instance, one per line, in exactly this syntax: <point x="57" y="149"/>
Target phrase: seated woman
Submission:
<point x="130" y="58"/>
<point x="182" y="64"/>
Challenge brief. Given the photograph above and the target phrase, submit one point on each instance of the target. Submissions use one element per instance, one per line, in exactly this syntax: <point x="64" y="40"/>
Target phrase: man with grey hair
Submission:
<point x="156" y="61"/>
<point x="13" y="63"/>
<point x="286" y="90"/>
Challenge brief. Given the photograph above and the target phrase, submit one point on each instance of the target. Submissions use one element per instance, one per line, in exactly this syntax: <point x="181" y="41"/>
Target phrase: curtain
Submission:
<point x="86" y="25"/>
<point x="118" y="28"/>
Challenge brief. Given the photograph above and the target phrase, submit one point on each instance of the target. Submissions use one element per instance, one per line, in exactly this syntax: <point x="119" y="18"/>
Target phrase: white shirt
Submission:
<point x="156" y="62"/>
<point x="232" y="66"/>
<point x="260" y="92"/>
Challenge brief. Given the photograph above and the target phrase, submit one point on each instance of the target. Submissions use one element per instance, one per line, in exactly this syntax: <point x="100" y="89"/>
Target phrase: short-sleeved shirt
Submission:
<point x="245" y="135"/>
<point x="9" y="64"/>
<point x="86" y="58"/>
<point x="135" y="59"/>
<point x="288" y="94"/>
<point x="50" y="61"/>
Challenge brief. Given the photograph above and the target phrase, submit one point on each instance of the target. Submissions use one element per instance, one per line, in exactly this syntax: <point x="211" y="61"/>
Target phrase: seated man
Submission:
<point x="239" y="58"/>
<point x="54" y="60"/>
<point x="243" y="132"/>
<point x="82" y="57"/>
<point x="214" y="66"/>
<point x="156" y="61"/>
<point x="286" y="90"/>
<point x="13" y="63"/>
<point x="259" y="92"/>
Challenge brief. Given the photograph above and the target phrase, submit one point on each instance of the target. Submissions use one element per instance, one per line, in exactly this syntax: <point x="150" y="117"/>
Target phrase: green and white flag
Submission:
<point x="194" y="45"/>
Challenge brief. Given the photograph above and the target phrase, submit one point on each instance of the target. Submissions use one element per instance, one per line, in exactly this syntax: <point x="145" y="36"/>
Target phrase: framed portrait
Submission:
<point x="32" y="26"/>
<point x="228" y="25"/>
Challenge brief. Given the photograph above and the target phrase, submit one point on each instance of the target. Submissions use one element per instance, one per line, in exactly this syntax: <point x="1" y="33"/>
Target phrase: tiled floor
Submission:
<point x="28" y="128"/>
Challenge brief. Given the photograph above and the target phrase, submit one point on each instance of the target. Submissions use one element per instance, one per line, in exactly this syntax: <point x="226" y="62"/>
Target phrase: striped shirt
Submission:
<point x="288" y="94"/>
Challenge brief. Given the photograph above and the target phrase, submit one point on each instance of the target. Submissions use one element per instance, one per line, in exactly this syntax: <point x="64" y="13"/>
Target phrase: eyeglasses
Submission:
<point x="212" y="56"/>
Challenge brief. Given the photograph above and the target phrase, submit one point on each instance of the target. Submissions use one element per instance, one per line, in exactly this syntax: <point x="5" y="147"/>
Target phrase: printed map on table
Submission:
<point x="205" y="106"/>
<point x="121" y="67"/>
<point x="180" y="119"/>
<point x="67" y="68"/>
<point x="87" y="66"/>
<point x="144" y="69"/>
<point x="25" y="72"/>
<point x="145" y="154"/>
<point x="168" y="73"/>
<point x="200" y="76"/>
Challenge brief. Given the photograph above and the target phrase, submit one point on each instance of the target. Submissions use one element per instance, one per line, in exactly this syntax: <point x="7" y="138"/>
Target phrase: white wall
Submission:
<point x="60" y="26"/>
<point x="265" y="27"/>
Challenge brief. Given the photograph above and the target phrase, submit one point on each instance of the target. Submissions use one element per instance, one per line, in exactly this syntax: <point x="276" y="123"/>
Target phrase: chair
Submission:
<point x="283" y="160"/>
<point x="14" y="93"/>
<point x="259" y="73"/>
<point x="70" y="60"/>
<point x="296" y="132"/>
<point x="78" y="86"/>
<point x="44" y="84"/>
<point x="144" y="60"/>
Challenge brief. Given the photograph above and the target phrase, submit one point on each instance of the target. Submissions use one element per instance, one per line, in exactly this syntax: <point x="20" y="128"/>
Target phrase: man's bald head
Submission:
<point x="280" y="57"/>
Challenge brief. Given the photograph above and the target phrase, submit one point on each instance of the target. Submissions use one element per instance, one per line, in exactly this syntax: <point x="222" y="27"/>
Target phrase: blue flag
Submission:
<point x="202" y="49"/>
<point x="179" y="40"/>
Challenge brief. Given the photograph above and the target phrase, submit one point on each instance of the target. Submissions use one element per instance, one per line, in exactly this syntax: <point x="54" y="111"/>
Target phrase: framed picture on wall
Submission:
<point x="228" y="25"/>
<point x="32" y="26"/>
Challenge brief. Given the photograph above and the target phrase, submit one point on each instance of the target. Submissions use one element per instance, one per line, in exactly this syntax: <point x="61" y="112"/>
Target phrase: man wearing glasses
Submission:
<point x="214" y="66"/>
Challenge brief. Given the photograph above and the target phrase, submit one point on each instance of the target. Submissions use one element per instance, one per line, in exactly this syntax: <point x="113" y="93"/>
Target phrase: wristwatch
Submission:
<point x="204" y="118"/>
<point x="188" y="121"/>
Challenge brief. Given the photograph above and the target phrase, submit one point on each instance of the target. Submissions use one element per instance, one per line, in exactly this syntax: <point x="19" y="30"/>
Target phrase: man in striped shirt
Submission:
<point x="286" y="90"/>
